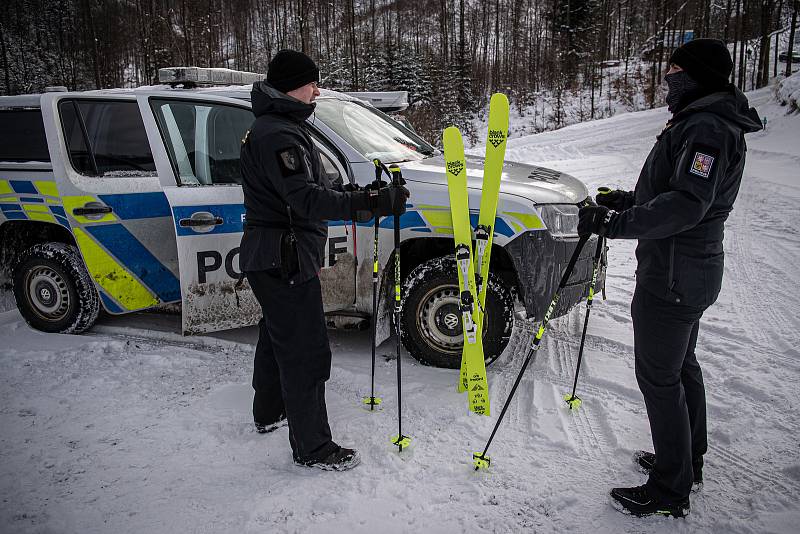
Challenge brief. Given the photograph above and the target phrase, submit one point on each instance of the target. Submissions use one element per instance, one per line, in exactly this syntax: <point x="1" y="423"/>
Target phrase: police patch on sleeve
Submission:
<point x="702" y="164"/>
<point x="289" y="161"/>
<point x="702" y="160"/>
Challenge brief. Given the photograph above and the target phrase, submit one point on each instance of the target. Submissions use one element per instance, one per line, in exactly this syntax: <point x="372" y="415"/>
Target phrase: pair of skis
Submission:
<point x="473" y="268"/>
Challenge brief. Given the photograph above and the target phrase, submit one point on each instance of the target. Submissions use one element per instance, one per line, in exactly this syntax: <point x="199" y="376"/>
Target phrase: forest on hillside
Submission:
<point x="449" y="54"/>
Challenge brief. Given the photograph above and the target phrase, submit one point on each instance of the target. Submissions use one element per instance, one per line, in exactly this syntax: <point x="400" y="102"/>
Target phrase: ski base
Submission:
<point x="480" y="461"/>
<point x="402" y="442"/>
<point x="372" y="402"/>
<point x="573" y="402"/>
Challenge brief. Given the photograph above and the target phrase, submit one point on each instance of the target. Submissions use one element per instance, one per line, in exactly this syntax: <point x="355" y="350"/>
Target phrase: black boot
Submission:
<point x="266" y="428"/>
<point x="647" y="460"/>
<point x="638" y="501"/>
<point x="339" y="460"/>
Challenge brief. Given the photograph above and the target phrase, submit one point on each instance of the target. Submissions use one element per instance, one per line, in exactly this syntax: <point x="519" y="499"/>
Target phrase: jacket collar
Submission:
<point x="266" y="99"/>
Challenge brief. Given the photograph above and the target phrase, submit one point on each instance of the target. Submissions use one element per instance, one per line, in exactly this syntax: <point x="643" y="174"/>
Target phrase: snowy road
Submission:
<point x="133" y="428"/>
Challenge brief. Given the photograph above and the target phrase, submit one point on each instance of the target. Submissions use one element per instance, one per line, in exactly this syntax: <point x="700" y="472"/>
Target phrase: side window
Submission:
<point x="106" y="138"/>
<point x="331" y="171"/>
<point x="203" y="140"/>
<point x="22" y="136"/>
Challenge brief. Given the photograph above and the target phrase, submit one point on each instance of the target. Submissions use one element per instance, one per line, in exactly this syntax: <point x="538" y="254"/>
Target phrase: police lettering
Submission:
<point x="210" y="260"/>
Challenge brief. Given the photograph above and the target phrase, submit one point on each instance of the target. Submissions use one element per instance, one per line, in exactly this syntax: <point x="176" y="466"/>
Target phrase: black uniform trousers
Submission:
<point x="292" y="362"/>
<point x="671" y="381"/>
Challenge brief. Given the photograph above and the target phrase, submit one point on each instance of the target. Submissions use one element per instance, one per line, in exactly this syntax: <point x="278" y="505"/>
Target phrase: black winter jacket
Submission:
<point x="684" y="194"/>
<point x="281" y="168"/>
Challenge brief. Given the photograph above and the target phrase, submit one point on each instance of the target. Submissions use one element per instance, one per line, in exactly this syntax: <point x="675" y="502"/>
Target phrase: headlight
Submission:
<point x="561" y="219"/>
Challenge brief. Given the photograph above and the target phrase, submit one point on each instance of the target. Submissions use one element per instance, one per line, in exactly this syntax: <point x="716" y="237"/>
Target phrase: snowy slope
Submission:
<point x="133" y="428"/>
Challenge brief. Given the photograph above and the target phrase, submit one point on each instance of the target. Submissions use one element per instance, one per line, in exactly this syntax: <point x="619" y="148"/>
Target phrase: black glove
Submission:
<point x="594" y="220"/>
<point x="350" y="188"/>
<point x="389" y="200"/>
<point x="614" y="200"/>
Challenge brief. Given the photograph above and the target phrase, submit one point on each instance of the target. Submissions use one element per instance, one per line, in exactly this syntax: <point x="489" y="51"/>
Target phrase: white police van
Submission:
<point x="126" y="199"/>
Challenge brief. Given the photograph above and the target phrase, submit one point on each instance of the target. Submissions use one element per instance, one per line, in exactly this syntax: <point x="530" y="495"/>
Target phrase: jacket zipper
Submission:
<point x="670" y="273"/>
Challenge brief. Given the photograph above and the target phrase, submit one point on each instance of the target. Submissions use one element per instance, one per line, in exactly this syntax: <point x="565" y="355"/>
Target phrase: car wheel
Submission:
<point x="430" y="326"/>
<point x="53" y="290"/>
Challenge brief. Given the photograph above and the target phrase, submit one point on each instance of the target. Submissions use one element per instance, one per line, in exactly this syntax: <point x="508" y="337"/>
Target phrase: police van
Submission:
<point x="122" y="200"/>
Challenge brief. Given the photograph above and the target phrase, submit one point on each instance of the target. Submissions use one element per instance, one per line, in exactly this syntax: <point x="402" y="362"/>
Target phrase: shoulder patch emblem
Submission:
<point x="701" y="165"/>
<point x="289" y="161"/>
<point x="289" y="158"/>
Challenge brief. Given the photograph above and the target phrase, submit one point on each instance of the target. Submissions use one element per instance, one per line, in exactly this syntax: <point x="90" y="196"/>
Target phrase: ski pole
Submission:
<point x="480" y="460"/>
<point x="400" y="440"/>
<point x="571" y="400"/>
<point x="372" y="401"/>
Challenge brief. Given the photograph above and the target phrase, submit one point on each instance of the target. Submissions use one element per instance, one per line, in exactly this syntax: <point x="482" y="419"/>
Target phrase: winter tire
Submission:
<point x="53" y="290"/>
<point x="430" y="325"/>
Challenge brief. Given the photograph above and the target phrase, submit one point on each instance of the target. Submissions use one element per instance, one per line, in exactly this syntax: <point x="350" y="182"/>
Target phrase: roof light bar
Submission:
<point x="192" y="76"/>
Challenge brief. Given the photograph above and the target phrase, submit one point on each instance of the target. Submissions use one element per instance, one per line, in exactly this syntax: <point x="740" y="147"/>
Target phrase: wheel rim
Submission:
<point x="47" y="293"/>
<point x="439" y="320"/>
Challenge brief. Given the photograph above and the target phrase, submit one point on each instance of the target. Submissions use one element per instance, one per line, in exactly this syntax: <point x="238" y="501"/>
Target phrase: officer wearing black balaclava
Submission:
<point x="683" y="196"/>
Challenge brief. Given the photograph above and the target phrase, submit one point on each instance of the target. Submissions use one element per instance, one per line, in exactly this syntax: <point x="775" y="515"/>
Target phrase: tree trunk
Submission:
<point x="795" y="7"/>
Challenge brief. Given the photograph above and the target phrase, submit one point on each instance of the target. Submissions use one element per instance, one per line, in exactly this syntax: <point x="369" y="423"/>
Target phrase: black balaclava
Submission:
<point x="682" y="90"/>
<point x="706" y="65"/>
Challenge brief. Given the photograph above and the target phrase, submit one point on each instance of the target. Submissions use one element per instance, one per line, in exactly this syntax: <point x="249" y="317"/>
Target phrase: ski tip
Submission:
<point x="498" y="98"/>
<point x="452" y="133"/>
<point x="401" y="442"/>
<point x="573" y="402"/>
<point x="480" y="461"/>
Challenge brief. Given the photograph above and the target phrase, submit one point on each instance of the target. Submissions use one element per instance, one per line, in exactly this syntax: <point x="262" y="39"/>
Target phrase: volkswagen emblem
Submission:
<point x="451" y="320"/>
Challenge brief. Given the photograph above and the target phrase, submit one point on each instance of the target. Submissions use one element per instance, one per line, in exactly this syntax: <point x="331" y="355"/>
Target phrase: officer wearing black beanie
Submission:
<point x="288" y="200"/>
<point x="684" y="194"/>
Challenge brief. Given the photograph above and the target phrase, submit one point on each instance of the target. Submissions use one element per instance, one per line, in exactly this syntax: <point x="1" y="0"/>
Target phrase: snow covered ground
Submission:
<point x="132" y="428"/>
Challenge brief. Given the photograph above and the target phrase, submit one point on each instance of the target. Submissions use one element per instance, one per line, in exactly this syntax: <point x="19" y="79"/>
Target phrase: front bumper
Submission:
<point x="540" y="261"/>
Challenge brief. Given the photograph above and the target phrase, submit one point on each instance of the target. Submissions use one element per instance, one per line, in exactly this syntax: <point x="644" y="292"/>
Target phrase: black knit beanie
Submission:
<point x="707" y="61"/>
<point x="289" y="70"/>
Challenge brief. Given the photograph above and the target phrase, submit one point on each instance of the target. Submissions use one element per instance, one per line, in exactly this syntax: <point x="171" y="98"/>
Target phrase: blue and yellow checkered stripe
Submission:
<point x="35" y="200"/>
<point x="112" y="254"/>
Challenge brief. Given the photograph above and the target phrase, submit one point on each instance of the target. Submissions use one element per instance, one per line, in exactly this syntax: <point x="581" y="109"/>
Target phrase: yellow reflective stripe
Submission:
<point x="375" y="267"/>
<point x="112" y="276"/>
<point x="72" y="202"/>
<point x="397" y="292"/>
<point x="5" y="188"/>
<point x="438" y="217"/>
<point x="36" y="207"/>
<point x="9" y="199"/>
<point x="517" y="227"/>
<point x="530" y="220"/>
<point x="44" y="217"/>
<point x="46" y="187"/>
<point x="591" y="293"/>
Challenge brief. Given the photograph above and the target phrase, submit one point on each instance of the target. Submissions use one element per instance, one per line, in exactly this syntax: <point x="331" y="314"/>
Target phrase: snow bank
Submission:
<point x="788" y="92"/>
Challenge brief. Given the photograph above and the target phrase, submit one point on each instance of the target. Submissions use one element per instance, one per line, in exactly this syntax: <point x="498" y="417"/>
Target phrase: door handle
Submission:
<point x="201" y="221"/>
<point x="92" y="210"/>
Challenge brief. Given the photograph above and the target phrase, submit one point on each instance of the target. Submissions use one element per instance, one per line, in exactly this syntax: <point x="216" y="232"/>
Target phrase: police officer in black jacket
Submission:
<point x="288" y="201"/>
<point x="684" y="194"/>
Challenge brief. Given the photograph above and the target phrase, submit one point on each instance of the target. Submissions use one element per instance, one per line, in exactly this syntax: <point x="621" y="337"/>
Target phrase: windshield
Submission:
<point x="372" y="133"/>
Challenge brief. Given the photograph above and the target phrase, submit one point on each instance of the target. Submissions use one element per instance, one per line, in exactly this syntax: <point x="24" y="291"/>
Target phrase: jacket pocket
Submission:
<point x="260" y="249"/>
